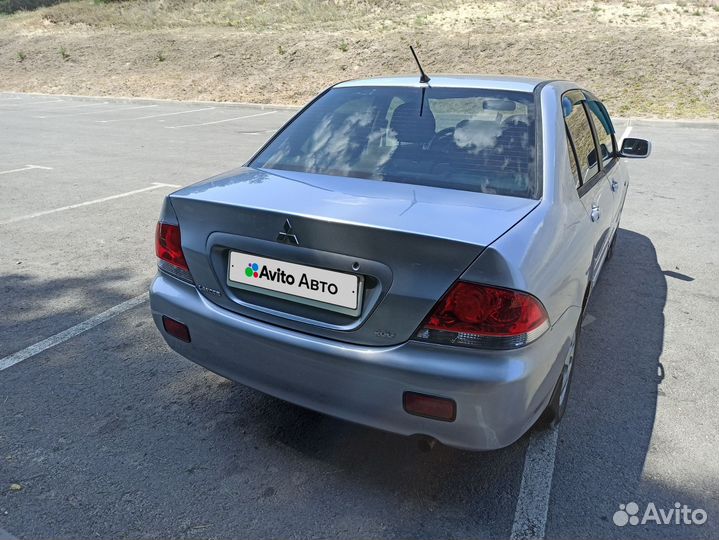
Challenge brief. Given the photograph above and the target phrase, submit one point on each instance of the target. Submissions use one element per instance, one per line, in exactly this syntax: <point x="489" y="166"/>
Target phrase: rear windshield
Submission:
<point x="467" y="139"/>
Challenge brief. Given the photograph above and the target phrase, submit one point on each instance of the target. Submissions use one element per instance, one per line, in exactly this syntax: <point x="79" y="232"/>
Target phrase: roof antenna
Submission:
<point x="423" y="78"/>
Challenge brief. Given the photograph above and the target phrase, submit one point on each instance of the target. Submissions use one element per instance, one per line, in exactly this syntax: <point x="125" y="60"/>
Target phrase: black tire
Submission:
<point x="557" y="405"/>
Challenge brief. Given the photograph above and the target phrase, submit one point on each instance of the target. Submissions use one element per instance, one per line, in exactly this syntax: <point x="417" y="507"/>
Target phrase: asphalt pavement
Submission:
<point x="105" y="432"/>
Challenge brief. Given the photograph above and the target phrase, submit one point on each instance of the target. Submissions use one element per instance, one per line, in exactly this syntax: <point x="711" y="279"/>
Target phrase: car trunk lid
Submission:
<point x="407" y="243"/>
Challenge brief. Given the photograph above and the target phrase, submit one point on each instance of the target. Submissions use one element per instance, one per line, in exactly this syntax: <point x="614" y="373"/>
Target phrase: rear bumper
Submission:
<point x="499" y="394"/>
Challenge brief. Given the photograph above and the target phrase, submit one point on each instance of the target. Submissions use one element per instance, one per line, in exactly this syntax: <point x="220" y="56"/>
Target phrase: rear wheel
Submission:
<point x="558" y="403"/>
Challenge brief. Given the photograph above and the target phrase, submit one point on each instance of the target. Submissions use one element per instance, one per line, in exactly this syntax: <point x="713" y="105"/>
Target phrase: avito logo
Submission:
<point x="251" y="270"/>
<point x="628" y="514"/>
<point x="280" y="276"/>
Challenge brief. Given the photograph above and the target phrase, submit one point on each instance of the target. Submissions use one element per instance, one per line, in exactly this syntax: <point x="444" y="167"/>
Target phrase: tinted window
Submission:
<point x="603" y="128"/>
<point x="468" y="139"/>
<point x="581" y="133"/>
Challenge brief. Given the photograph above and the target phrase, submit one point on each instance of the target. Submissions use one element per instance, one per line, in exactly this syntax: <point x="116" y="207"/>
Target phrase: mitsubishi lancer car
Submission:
<point x="410" y="254"/>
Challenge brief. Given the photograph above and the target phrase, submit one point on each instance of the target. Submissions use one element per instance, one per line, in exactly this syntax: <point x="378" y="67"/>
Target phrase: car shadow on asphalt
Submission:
<point x="391" y="480"/>
<point x="281" y="467"/>
<point x="605" y="436"/>
<point x="603" y="440"/>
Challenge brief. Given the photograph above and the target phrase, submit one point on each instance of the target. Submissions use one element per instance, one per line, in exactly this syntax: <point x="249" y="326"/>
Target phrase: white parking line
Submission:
<point x="626" y="133"/>
<point x="588" y="319"/>
<point x="530" y="514"/>
<point x="44" y="102"/>
<point x="27" y="168"/>
<point x="221" y="121"/>
<point x="71" y="332"/>
<point x="9" y="98"/>
<point x="95" y="112"/>
<point x="155" y="185"/>
<point x="261" y="132"/>
<point x="153" y="116"/>
<point x="83" y="105"/>
<point x="33" y="103"/>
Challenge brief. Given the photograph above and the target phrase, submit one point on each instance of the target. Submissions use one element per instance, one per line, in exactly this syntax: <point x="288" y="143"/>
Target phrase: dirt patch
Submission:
<point x="643" y="58"/>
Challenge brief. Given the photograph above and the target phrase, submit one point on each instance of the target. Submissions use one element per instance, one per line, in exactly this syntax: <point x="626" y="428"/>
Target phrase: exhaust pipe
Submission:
<point x="425" y="443"/>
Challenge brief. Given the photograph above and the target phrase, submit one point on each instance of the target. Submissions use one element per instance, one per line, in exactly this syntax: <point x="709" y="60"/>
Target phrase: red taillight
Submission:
<point x="437" y="408"/>
<point x="176" y="329"/>
<point x="482" y="316"/>
<point x="168" y="246"/>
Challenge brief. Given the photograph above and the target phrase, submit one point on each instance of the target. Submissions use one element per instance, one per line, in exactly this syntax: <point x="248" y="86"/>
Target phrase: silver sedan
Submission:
<point x="411" y="255"/>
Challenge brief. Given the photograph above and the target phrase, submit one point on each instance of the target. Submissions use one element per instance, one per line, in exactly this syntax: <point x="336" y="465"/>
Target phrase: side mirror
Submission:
<point x="635" y="148"/>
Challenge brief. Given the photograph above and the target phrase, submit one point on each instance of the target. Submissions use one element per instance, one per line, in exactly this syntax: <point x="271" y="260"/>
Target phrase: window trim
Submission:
<point x="573" y="155"/>
<point x="601" y="171"/>
<point x="591" y="97"/>
<point x="579" y="96"/>
<point x="615" y="144"/>
<point x="595" y="137"/>
<point x="614" y="157"/>
<point x="591" y="180"/>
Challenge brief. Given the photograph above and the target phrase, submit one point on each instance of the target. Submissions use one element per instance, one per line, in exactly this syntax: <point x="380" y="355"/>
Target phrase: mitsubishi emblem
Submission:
<point x="287" y="235"/>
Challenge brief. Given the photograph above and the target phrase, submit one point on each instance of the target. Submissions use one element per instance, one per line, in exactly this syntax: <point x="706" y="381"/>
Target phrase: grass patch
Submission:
<point x="248" y="15"/>
<point x="285" y="51"/>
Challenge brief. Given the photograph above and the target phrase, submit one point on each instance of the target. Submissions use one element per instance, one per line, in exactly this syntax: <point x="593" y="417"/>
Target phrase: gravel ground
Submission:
<point x="650" y="59"/>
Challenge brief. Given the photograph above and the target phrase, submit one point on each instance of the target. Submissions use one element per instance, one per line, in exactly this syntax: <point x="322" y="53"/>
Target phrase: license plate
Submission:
<point x="327" y="289"/>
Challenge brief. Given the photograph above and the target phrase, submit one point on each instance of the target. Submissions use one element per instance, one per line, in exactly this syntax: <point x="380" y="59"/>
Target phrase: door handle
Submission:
<point x="615" y="185"/>
<point x="596" y="212"/>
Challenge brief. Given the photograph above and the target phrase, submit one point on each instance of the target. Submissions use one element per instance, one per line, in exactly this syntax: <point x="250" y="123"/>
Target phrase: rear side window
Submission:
<point x="603" y="128"/>
<point x="581" y="134"/>
<point x="573" y="164"/>
<point x="456" y="138"/>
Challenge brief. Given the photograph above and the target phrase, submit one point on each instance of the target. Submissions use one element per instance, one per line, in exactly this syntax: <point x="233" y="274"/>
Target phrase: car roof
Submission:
<point x="489" y="82"/>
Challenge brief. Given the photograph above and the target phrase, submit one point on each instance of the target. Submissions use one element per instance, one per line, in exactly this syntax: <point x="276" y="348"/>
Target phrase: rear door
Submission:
<point x="593" y="187"/>
<point x="609" y="162"/>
